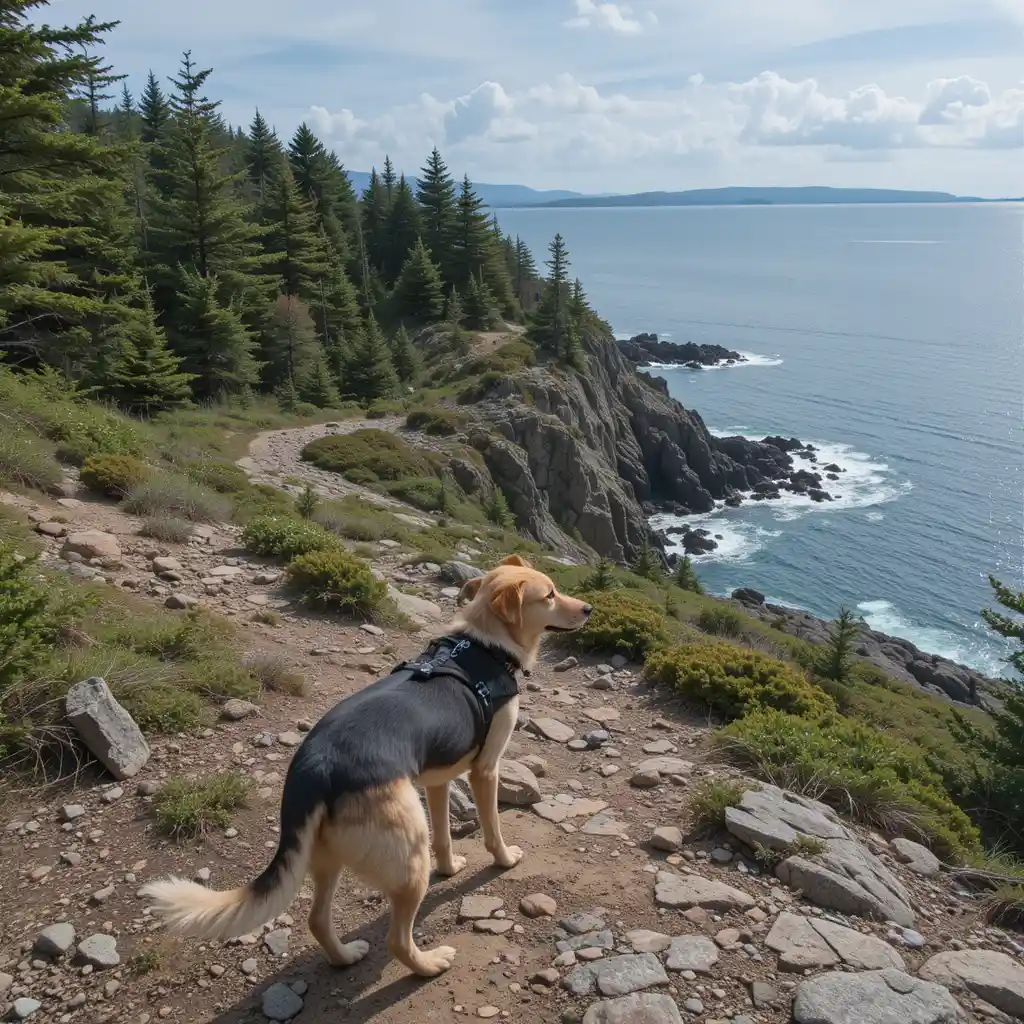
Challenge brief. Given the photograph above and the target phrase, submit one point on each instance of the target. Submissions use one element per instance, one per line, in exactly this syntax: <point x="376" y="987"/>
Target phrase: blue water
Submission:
<point x="889" y="336"/>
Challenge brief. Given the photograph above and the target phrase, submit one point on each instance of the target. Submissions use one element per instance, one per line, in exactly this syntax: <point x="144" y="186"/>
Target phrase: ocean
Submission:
<point x="892" y="338"/>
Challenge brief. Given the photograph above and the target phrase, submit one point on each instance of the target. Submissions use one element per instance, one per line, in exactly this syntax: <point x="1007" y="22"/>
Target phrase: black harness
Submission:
<point x="488" y="672"/>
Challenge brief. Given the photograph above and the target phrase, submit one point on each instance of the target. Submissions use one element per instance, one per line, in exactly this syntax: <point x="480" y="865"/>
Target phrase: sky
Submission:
<point x="616" y="97"/>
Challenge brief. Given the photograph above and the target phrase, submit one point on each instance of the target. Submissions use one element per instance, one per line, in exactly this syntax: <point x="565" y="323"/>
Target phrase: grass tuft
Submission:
<point x="190" y="808"/>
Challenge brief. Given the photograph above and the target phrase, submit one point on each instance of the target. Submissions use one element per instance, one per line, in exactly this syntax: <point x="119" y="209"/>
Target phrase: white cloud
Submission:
<point x="609" y="16"/>
<point x="473" y="114"/>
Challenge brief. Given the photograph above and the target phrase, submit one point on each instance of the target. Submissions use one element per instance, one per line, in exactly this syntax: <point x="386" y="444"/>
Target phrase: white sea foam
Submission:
<point x="737" y="540"/>
<point x="750" y="359"/>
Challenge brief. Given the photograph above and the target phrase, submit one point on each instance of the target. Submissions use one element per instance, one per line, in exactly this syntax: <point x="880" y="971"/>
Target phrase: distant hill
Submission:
<point x="739" y="196"/>
<point x="493" y="195"/>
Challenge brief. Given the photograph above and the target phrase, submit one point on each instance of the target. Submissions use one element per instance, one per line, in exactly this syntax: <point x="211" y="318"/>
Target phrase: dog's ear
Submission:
<point x="469" y="590"/>
<point x="516" y="560"/>
<point x="507" y="603"/>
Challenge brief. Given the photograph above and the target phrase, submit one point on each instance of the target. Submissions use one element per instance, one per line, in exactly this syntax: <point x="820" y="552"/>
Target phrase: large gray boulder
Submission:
<point x="106" y="728"/>
<point x="875" y="997"/>
<point x="918" y="858"/>
<point x="640" y="1008"/>
<point x="685" y="891"/>
<point x="994" y="977"/>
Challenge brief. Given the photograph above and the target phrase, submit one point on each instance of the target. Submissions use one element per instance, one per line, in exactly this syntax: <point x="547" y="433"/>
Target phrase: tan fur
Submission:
<point x="382" y="835"/>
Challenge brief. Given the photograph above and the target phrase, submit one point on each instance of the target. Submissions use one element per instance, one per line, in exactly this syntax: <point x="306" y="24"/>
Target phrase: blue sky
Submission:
<point x="601" y="96"/>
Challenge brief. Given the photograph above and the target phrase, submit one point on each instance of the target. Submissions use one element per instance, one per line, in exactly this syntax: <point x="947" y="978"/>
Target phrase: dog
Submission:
<point x="350" y="796"/>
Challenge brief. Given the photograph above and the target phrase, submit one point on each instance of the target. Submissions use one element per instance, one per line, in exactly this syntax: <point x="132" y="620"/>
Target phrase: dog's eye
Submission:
<point x="551" y="596"/>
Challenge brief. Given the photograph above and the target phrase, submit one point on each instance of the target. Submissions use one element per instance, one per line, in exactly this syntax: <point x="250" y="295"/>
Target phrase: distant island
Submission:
<point x="498" y="197"/>
<point x="811" y="195"/>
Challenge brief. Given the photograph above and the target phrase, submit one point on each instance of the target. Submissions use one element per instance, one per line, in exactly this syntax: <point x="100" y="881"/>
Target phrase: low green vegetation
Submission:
<point x="176" y="496"/>
<point x="708" y="803"/>
<point x="621" y="623"/>
<point x="334" y="578"/>
<point x="27" y="460"/>
<point x="369" y="456"/>
<point x="437" y="422"/>
<point x="113" y="475"/>
<point x="190" y="808"/>
<point x="285" y="537"/>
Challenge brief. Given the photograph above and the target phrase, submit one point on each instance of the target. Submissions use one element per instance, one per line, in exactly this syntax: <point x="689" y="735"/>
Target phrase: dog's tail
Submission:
<point x="188" y="908"/>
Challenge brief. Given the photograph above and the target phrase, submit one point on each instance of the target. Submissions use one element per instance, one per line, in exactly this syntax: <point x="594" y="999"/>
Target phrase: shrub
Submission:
<point x="721" y="621"/>
<point x="372" y="454"/>
<point x="260" y="500"/>
<point x="884" y="782"/>
<point x="168" y="494"/>
<point x="113" y="475"/>
<point x="647" y="564"/>
<point x="284" y="537"/>
<point x="621" y="623"/>
<point x="602" y="578"/>
<point x="163" y="707"/>
<point x="186" y="808"/>
<point x="734" y="680"/>
<point x="425" y="493"/>
<point x="498" y="512"/>
<point x="223" y="477"/>
<point x="170" y="531"/>
<point x="335" y="579"/>
<point x="306" y="503"/>
<point x="707" y="806"/>
<point x="437" y="422"/>
<point x="26" y="460"/>
<point x="221" y="679"/>
<point x="685" y="577"/>
<point x="274" y="673"/>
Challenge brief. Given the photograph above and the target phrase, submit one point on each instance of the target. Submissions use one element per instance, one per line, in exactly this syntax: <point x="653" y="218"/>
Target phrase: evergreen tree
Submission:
<point x="838" y="653"/>
<point x="647" y="563"/>
<point x="323" y="180"/>
<point x="197" y="221"/>
<point x="498" y="512"/>
<point x="263" y="156"/>
<point x="436" y="196"/>
<point x="473" y="239"/>
<point x="419" y="294"/>
<point x="317" y="386"/>
<point x="155" y="118"/>
<point x="374" y="213"/>
<point x="369" y="372"/>
<point x="336" y="314"/>
<point x="99" y="78"/>
<point x="455" y="316"/>
<point x="389" y="179"/>
<point x="146" y="377"/>
<point x="289" y="342"/>
<point x="481" y="313"/>
<point x="211" y="339"/>
<point x="525" y="280"/>
<point x="404" y="227"/>
<point x="685" y="577"/>
<point x="551" y="318"/>
<point x="126" y="116"/>
<point x="297" y="255"/>
<point x="602" y="578"/>
<point x="403" y="356"/>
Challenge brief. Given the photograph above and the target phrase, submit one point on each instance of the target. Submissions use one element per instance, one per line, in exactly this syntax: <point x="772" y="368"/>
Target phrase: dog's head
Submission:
<point x="516" y="601"/>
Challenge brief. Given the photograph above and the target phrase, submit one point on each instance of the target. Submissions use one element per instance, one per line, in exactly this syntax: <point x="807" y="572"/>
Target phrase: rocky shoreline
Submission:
<point x="646" y="349"/>
<point x="895" y="656"/>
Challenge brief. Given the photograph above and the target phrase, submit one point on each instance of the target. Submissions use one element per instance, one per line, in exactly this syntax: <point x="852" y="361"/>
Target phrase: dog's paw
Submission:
<point x="509" y="857"/>
<point x="351" y="953"/>
<point x="435" y="961"/>
<point x="451" y="867"/>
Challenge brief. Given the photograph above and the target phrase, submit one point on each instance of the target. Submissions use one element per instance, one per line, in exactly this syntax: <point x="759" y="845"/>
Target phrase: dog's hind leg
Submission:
<point x="326" y="871"/>
<point x="389" y="847"/>
<point x="448" y="863"/>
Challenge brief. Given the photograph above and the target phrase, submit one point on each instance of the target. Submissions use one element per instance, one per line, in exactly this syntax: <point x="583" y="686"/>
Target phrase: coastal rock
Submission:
<point x="874" y="997"/>
<point x="644" y="349"/>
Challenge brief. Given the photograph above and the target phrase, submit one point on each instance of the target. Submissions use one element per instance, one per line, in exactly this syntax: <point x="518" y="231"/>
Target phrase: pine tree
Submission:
<point x="263" y="156"/>
<point x="99" y="78"/>
<point x="197" y="221"/>
<point x="317" y="385"/>
<point x="373" y="213"/>
<point x="602" y="578"/>
<point x="369" y="372"/>
<point x="419" y="294"/>
<point x="550" y="320"/>
<point x="404" y="227"/>
<point x="126" y="116"/>
<point x="436" y="196"/>
<point x="481" y="313"/>
<point x="389" y="179"/>
<point x="647" y="563"/>
<point x="323" y="180"/>
<point x="296" y="253"/>
<point x="498" y="512"/>
<point x="146" y="377"/>
<point x="403" y="356"/>
<point x="336" y="314"/>
<point x="211" y="339"/>
<point x="473" y="239"/>
<point x="838" y="653"/>
<point x="455" y="316"/>
<point x="289" y="345"/>
<point x="685" y="577"/>
<point x="525" y="274"/>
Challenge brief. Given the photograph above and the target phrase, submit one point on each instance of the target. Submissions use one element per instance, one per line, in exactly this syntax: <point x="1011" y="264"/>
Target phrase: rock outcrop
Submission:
<point x="644" y="349"/>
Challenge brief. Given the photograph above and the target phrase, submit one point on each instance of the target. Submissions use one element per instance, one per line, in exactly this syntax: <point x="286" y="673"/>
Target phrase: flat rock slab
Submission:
<point x="875" y="997"/>
<point x="55" y="940"/>
<point x="685" y="891"/>
<point x="604" y="825"/>
<point x="587" y="940"/>
<point x="552" y="729"/>
<point x="664" y="766"/>
<point x="559" y="809"/>
<point x="994" y="977"/>
<point x="281" y="1003"/>
<point x="99" y="951"/>
<point x="478" y="908"/>
<point x="644" y="941"/>
<point x="692" y="953"/>
<point x="603" y="715"/>
<point x="106" y="728"/>
<point x="641" y="1008"/>
<point x="918" y="858"/>
<point x="803" y="942"/>
<point x="862" y="952"/>
<point x="617" y="975"/>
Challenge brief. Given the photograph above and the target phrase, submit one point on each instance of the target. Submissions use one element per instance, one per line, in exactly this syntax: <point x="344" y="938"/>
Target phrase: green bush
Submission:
<point x="168" y="494"/>
<point x="721" y="621"/>
<point x="359" y="527"/>
<point x="162" y="708"/>
<point x="223" y="477"/>
<point x="860" y="771"/>
<point x="734" y="680"/>
<point x="437" y="422"/>
<point x="707" y="806"/>
<point x="260" y="500"/>
<point x="113" y="475"/>
<point x="621" y="623"/>
<point x="333" y="578"/>
<point x="187" y="808"/>
<point x="27" y="460"/>
<point x="285" y="537"/>
<point x="221" y="679"/>
<point x="424" y="493"/>
<point x="371" y="454"/>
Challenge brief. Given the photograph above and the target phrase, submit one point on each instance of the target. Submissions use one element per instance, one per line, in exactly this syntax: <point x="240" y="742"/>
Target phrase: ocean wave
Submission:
<point x="975" y="652"/>
<point x="750" y="359"/>
<point x="737" y="540"/>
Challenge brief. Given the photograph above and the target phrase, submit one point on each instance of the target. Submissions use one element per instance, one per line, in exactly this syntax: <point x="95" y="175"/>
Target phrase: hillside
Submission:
<point x="495" y="196"/>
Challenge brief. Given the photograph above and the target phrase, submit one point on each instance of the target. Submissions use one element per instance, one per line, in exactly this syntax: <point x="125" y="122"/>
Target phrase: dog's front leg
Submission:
<point x="484" y="780"/>
<point x="448" y="863"/>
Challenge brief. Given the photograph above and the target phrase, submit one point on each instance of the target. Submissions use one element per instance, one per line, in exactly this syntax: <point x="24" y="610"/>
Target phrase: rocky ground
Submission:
<point x="614" y="916"/>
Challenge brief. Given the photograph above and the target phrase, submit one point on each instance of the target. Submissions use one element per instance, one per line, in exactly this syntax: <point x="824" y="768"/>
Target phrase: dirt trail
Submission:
<point x="586" y="842"/>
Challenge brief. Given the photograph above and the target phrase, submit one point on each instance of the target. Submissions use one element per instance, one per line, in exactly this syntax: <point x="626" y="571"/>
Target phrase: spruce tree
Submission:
<point x="146" y="376"/>
<point x="647" y="563"/>
<point x="685" y="577"/>
<point x="296" y="253"/>
<point x="837" y="659"/>
<point x="323" y="180"/>
<point x="317" y="385"/>
<point x="454" y="317"/>
<point x="198" y="224"/>
<point x="154" y="112"/>
<point x="289" y="345"/>
<point x="419" y="294"/>
<point x="373" y="220"/>
<point x="263" y="156"/>
<point x="436" y="196"/>
<point x="336" y="314"/>
<point x="369" y="372"/>
<point x="126" y="116"/>
<point x="403" y="356"/>
<point x="498" y="511"/>
<point x="550" y="319"/>
<point x="602" y="578"/>
<point x="473" y="239"/>
<point x="525" y="274"/>
<point x="389" y="179"/>
<point x="211" y="339"/>
<point x="481" y="313"/>
<point x="99" y="78"/>
<point x="404" y="227"/>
